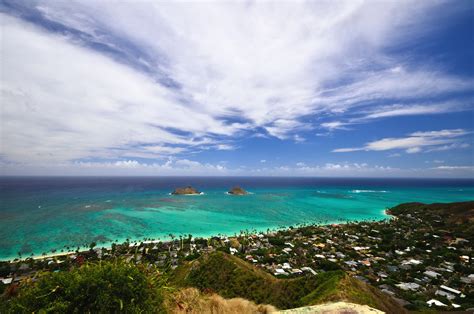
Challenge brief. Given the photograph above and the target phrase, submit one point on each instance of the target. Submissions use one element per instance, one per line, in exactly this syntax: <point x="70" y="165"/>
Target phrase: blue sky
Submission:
<point x="318" y="88"/>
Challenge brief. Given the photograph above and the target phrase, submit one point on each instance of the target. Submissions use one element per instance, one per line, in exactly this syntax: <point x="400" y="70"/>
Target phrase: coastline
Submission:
<point x="72" y="216"/>
<point x="363" y="252"/>
<point x="167" y="239"/>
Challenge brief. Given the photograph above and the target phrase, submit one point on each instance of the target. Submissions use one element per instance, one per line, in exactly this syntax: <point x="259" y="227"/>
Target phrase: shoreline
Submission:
<point x="358" y="208"/>
<point x="167" y="239"/>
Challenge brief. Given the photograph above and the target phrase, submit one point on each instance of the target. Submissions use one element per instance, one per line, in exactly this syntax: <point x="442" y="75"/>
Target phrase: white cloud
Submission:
<point x="181" y="166"/>
<point x="441" y="133"/>
<point x="414" y="142"/>
<point x="155" y="150"/>
<point x="282" y="127"/>
<point x="228" y="60"/>
<point x="194" y="168"/>
<point x="342" y="169"/>
<point x="298" y="139"/>
<point x="263" y="161"/>
<point x="469" y="168"/>
<point x="448" y="147"/>
<point x="413" y="109"/>
<point x="225" y="147"/>
<point x="127" y="164"/>
<point x="123" y="167"/>
<point x="379" y="112"/>
<point x="68" y="103"/>
<point x="413" y="150"/>
<point x="404" y="143"/>
<point x="347" y="150"/>
<point x="335" y="125"/>
<point x="408" y="87"/>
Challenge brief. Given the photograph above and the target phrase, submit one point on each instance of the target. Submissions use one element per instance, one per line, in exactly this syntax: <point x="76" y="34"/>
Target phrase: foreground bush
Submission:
<point x="104" y="287"/>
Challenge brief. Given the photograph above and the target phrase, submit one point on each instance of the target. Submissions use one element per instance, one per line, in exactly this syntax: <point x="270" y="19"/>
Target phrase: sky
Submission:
<point x="267" y="88"/>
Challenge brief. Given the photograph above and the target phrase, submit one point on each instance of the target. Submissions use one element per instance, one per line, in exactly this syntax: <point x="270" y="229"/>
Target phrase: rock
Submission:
<point x="238" y="191"/>
<point x="334" y="308"/>
<point x="189" y="190"/>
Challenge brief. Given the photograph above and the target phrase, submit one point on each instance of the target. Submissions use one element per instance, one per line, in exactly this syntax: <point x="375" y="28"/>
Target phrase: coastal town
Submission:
<point x="417" y="257"/>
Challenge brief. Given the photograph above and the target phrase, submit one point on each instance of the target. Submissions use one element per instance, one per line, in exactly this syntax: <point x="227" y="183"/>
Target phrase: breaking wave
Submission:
<point x="368" y="191"/>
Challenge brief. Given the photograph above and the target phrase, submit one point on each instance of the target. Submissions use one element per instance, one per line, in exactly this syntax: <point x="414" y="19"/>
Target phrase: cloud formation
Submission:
<point x="415" y="142"/>
<point x="389" y="111"/>
<point x="68" y="103"/>
<point x="186" y="167"/>
<point x="84" y="80"/>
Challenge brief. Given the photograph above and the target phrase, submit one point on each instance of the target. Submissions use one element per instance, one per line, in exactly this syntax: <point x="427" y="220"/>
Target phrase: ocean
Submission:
<point x="41" y="214"/>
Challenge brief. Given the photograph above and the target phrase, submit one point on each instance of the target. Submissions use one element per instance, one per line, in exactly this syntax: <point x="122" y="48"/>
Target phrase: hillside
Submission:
<point x="231" y="277"/>
<point x="227" y="284"/>
<point x="458" y="216"/>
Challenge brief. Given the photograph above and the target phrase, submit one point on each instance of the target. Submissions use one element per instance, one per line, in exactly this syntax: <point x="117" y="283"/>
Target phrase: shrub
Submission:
<point x="276" y="241"/>
<point x="104" y="287"/>
<point x="328" y="265"/>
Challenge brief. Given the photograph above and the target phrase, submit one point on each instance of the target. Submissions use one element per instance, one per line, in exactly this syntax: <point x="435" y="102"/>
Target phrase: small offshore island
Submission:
<point x="237" y="190"/>
<point x="420" y="259"/>
<point x="188" y="190"/>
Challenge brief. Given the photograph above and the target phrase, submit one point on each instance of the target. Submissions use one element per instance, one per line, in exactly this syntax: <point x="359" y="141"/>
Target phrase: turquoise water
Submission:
<point x="41" y="214"/>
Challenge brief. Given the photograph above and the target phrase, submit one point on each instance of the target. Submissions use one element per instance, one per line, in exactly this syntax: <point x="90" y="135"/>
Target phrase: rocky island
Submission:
<point x="237" y="190"/>
<point x="189" y="190"/>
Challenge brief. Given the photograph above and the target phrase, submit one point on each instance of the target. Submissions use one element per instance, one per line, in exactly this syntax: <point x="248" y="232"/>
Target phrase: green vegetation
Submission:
<point x="106" y="287"/>
<point x="103" y="287"/>
<point x="231" y="277"/>
<point x="458" y="217"/>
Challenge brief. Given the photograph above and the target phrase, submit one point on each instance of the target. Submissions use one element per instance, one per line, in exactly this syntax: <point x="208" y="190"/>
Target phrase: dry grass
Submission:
<point x="191" y="301"/>
<point x="351" y="290"/>
<point x="334" y="308"/>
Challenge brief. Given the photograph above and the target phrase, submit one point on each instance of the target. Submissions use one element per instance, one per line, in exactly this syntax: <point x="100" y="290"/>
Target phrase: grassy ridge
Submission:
<point x="231" y="277"/>
<point x="355" y="291"/>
